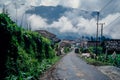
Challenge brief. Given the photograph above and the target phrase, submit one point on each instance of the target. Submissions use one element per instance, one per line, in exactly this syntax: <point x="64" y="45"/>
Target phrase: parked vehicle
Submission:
<point x="76" y="50"/>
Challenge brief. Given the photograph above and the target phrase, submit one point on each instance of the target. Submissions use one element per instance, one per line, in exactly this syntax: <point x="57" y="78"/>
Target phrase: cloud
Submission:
<point x="37" y="22"/>
<point x="49" y="2"/>
<point x="87" y="26"/>
<point x="34" y="2"/>
<point x="93" y="5"/>
<point x="73" y="21"/>
<point x="111" y="8"/>
<point x="65" y="3"/>
<point x="64" y="25"/>
<point x="111" y="27"/>
<point x="70" y="3"/>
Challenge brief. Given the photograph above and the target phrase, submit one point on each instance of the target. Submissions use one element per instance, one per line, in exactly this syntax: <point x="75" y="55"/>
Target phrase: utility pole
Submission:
<point x="97" y="32"/>
<point x="4" y="11"/>
<point x="16" y="11"/>
<point x="22" y="17"/>
<point x="102" y="24"/>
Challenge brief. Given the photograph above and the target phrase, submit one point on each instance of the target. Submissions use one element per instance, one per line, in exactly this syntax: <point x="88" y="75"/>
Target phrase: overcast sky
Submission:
<point x="70" y="22"/>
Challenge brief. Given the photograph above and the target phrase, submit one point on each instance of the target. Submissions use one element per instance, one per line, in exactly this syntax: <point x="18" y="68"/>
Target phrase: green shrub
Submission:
<point x="96" y="62"/>
<point x="66" y="49"/>
<point x="23" y="54"/>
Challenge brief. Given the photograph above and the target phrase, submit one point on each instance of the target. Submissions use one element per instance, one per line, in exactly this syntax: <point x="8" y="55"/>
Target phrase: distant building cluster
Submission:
<point x="66" y="43"/>
<point x="110" y="45"/>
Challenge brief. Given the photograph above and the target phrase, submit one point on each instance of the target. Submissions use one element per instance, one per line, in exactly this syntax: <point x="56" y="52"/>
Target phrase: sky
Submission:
<point x="72" y="22"/>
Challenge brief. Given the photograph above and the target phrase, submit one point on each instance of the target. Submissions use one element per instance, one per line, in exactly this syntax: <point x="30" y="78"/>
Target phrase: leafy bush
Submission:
<point x="23" y="54"/>
<point x="96" y="62"/>
<point x="101" y="59"/>
<point x="66" y="49"/>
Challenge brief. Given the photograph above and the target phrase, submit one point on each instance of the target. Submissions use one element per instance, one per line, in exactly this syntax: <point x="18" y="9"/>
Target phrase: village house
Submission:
<point x="111" y="45"/>
<point x="49" y="35"/>
<point x="93" y="43"/>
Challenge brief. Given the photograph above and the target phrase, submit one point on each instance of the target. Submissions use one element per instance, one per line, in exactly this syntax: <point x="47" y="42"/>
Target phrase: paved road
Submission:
<point x="71" y="67"/>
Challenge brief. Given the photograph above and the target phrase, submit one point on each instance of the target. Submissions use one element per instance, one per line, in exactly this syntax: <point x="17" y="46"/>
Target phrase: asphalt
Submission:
<point x="71" y="67"/>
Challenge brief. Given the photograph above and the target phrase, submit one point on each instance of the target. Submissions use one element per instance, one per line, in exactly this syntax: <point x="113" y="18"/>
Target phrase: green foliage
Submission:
<point x="109" y="60"/>
<point x="84" y="50"/>
<point x="23" y="54"/>
<point x="66" y="49"/>
<point x="92" y="49"/>
<point x="101" y="58"/>
<point x="96" y="62"/>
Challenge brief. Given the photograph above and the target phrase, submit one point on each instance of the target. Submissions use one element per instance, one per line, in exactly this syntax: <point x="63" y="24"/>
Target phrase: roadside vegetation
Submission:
<point x="67" y="49"/>
<point x="101" y="58"/>
<point x="24" y="55"/>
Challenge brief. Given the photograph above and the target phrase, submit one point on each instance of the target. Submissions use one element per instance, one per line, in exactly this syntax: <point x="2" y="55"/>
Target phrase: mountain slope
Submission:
<point x="52" y="13"/>
<point x="60" y="18"/>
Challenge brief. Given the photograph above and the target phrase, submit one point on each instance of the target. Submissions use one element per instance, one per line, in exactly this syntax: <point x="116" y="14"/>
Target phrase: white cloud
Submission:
<point x="82" y="26"/>
<point x="34" y="2"/>
<point x="65" y="3"/>
<point x="49" y="2"/>
<point x="64" y="25"/>
<point x="71" y="21"/>
<point x="70" y="3"/>
<point x="112" y="28"/>
<point x="37" y="22"/>
<point x="87" y="26"/>
<point x="91" y="5"/>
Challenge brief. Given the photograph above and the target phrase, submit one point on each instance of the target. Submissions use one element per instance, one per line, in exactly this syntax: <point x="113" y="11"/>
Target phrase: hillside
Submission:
<point x="23" y="54"/>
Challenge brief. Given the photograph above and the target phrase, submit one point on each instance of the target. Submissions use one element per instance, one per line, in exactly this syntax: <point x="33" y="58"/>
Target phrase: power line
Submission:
<point x="113" y="8"/>
<point x="98" y="13"/>
<point x="106" y="5"/>
<point x="113" y="21"/>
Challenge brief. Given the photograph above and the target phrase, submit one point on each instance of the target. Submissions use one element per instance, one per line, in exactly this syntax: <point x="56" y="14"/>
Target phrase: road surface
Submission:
<point x="71" y="67"/>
